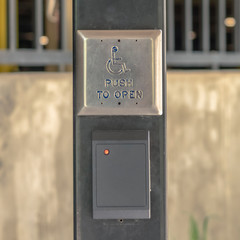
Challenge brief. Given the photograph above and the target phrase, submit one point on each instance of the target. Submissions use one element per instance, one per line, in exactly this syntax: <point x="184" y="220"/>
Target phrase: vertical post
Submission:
<point x="63" y="23"/>
<point x="222" y="28"/>
<point x="38" y="23"/>
<point x="12" y="25"/>
<point x="171" y="25"/>
<point x="206" y="25"/>
<point x="101" y="27"/>
<point x="237" y="26"/>
<point x="3" y="24"/>
<point x="188" y="25"/>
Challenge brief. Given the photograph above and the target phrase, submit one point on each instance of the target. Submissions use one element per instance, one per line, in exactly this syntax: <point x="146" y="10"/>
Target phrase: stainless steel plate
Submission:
<point x="119" y="72"/>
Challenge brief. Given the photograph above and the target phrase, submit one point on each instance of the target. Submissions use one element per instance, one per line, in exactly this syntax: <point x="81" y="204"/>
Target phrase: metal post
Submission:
<point x="222" y="28"/>
<point x="121" y="39"/>
<point x="171" y="25"/>
<point x="38" y="24"/>
<point x="12" y="25"/>
<point x="188" y="25"/>
<point x="206" y="25"/>
<point x="236" y="28"/>
<point x="63" y="30"/>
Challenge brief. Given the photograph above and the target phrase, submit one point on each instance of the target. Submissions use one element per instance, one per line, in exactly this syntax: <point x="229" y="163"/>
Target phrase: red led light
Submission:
<point x="106" y="151"/>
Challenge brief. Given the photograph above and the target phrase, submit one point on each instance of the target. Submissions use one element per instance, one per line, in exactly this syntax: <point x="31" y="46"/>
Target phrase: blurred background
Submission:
<point x="203" y="58"/>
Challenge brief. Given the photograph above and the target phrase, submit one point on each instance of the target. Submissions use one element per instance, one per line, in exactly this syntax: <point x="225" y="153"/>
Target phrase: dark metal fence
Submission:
<point x="201" y="34"/>
<point x="37" y="56"/>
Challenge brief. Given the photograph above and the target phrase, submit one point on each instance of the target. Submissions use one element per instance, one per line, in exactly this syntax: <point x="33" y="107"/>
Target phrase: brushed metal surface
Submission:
<point x="119" y="72"/>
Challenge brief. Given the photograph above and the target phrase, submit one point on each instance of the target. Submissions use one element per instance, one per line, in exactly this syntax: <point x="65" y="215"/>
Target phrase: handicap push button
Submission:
<point x="115" y="65"/>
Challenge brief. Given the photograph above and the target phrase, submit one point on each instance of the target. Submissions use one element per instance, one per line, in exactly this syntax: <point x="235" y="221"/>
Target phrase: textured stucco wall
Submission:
<point x="204" y="152"/>
<point x="36" y="155"/>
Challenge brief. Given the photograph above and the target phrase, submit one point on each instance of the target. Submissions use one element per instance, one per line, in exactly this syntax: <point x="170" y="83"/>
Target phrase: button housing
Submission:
<point x="121" y="179"/>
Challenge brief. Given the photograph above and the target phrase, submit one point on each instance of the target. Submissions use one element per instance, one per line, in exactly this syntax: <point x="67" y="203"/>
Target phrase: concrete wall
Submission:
<point x="36" y="155"/>
<point x="204" y="152"/>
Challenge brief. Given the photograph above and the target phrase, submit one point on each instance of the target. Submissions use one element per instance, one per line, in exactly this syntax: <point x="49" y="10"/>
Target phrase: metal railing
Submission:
<point x="197" y="36"/>
<point x="37" y="56"/>
<point x="218" y="30"/>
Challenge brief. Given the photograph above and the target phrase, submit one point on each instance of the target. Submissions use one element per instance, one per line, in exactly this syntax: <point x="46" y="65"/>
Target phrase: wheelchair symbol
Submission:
<point x="115" y="65"/>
